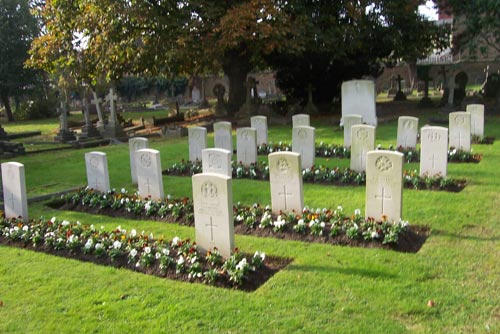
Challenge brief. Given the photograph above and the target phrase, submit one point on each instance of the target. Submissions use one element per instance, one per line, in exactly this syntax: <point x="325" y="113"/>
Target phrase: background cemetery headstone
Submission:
<point x="149" y="177"/>
<point x="64" y="134"/>
<point x="407" y="132"/>
<point x="433" y="151"/>
<point x="358" y="98"/>
<point x="217" y="161"/>
<point x="223" y="137"/>
<point x="285" y="177"/>
<point x="134" y="145"/>
<point x="113" y="129"/>
<point x="88" y="129"/>
<point x="460" y="130"/>
<point x="363" y="141"/>
<point x="213" y="212"/>
<point x="97" y="101"/>
<point x="301" y="120"/>
<point x="259" y="123"/>
<point x="384" y="185"/>
<point x="246" y="146"/>
<point x="303" y="142"/>
<point x="349" y="121"/>
<point x="14" y="191"/>
<point x="97" y="171"/>
<point x="197" y="137"/>
<point x="477" y="119"/>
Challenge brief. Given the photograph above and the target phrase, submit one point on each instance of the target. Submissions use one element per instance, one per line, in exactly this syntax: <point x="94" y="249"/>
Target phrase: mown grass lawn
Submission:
<point x="326" y="289"/>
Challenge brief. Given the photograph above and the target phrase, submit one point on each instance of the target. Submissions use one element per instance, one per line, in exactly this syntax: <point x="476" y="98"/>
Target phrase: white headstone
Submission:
<point x="149" y="178"/>
<point x="135" y="144"/>
<point x="384" y="185"/>
<point x="246" y="146"/>
<point x="433" y="150"/>
<point x="285" y="176"/>
<point x="349" y="121"/>
<point x="301" y="120"/>
<point x="477" y="119"/>
<point x="222" y="136"/>
<point x="363" y="141"/>
<point x="213" y="212"/>
<point x="358" y="98"/>
<point x="259" y="123"/>
<point x="197" y="137"/>
<point x="14" y="191"/>
<point x="460" y="130"/>
<point x="196" y="94"/>
<point x="303" y="142"/>
<point x="217" y="161"/>
<point x="97" y="171"/>
<point x="407" y="132"/>
<point x="111" y="98"/>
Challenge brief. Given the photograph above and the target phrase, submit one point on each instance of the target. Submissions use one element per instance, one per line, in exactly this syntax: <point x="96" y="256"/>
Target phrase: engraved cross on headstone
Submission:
<point x="285" y="195"/>
<point x="361" y="158"/>
<point x="433" y="159"/>
<point x="383" y="197"/>
<point x="211" y="225"/>
<point x="148" y="184"/>
<point x="12" y="201"/>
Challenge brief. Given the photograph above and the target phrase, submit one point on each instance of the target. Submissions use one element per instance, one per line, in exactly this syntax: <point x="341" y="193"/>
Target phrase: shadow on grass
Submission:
<point x="375" y="274"/>
<point x="464" y="237"/>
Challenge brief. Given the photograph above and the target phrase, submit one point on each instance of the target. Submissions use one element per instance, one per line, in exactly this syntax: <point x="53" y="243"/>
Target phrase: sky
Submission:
<point x="429" y="11"/>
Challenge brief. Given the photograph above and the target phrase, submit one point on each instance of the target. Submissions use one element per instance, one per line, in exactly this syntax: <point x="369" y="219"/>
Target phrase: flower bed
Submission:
<point x="324" y="175"/>
<point x="175" y="258"/>
<point x="319" y="225"/>
<point x="324" y="150"/>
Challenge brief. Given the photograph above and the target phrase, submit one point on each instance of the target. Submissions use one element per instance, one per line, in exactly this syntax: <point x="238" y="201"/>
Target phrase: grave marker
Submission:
<point x="349" y="121"/>
<point x="246" y="146"/>
<point x="97" y="171"/>
<point x="149" y="177"/>
<point x="301" y="120"/>
<point x="460" y="130"/>
<point x="259" y="123"/>
<point x="363" y="141"/>
<point x="384" y="184"/>
<point x="197" y="137"/>
<point x="14" y="191"/>
<point x="407" y="132"/>
<point x="358" y="98"/>
<point x="222" y="136"/>
<point x="285" y="177"/>
<point x="477" y="119"/>
<point x="217" y="161"/>
<point x="303" y="142"/>
<point x="433" y="151"/>
<point x="213" y="212"/>
<point x="135" y="144"/>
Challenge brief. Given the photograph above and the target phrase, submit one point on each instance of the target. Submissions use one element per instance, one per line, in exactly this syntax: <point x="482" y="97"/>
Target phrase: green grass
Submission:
<point x="326" y="289"/>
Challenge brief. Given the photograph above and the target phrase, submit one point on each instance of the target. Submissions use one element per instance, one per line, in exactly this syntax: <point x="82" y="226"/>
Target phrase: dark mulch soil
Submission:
<point x="410" y="242"/>
<point x="254" y="279"/>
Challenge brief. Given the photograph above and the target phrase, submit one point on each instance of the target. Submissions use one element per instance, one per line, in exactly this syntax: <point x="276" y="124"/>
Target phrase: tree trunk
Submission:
<point x="6" y="103"/>
<point x="412" y="73"/>
<point x="236" y="67"/>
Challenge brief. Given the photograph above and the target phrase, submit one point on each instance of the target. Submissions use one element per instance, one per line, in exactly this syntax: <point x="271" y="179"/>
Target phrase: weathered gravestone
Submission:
<point x="222" y="136"/>
<point x="459" y="128"/>
<point x="135" y="144"/>
<point x="476" y="119"/>
<point x="259" y="123"/>
<point x="149" y="178"/>
<point x="384" y="185"/>
<point x="349" y="121"/>
<point x="14" y="191"/>
<point x="97" y="101"/>
<point x="64" y="134"/>
<point x="358" y="98"/>
<point x="363" y="141"/>
<point x="217" y="161"/>
<point x="246" y="146"/>
<point x="407" y="132"/>
<point x="285" y="176"/>
<point x="197" y="138"/>
<point x="113" y="129"/>
<point x="97" y="171"/>
<point x="301" y="120"/>
<point x="433" y="151"/>
<point x="213" y="212"/>
<point x="303" y="142"/>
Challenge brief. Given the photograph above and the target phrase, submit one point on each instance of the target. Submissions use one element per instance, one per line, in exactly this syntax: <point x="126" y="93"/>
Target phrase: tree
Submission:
<point x="17" y="28"/>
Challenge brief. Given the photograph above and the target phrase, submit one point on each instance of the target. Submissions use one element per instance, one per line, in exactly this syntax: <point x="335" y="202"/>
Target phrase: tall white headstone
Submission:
<point x="135" y="144"/>
<point x="301" y="120"/>
<point x="217" y="161"/>
<point x="197" y="137"/>
<point x="213" y="212"/>
<point x="222" y="136"/>
<point x="407" y="132"/>
<point x="384" y="185"/>
<point x="460" y="130"/>
<point x="358" y="98"/>
<point x="303" y="142"/>
<point x="259" y="123"/>
<point x="149" y="178"/>
<point x="363" y="141"/>
<point x="349" y="121"/>
<point x="246" y="146"/>
<point x="433" y="151"/>
<point x="477" y="119"/>
<point x="285" y="176"/>
<point x="97" y="171"/>
<point x="14" y="191"/>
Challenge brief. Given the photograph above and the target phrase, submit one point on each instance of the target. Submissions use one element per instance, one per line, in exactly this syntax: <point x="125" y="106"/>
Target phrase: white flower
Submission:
<point x="133" y="252"/>
<point x="98" y="246"/>
<point x="157" y="255"/>
<point x="117" y="244"/>
<point x="147" y="250"/>
<point x="170" y="206"/>
<point x="147" y="206"/>
<point x="25" y="228"/>
<point x="239" y="218"/>
<point x="357" y="212"/>
<point x="53" y="220"/>
<point x="138" y="264"/>
<point x="175" y="241"/>
<point x="165" y="251"/>
<point x="322" y="224"/>
<point x="72" y="238"/>
<point x="65" y="223"/>
<point x="133" y="233"/>
<point x="242" y="264"/>
<point x="180" y="260"/>
<point x="262" y="255"/>
<point x="123" y="191"/>
<point x="88" y="244"/>
<point x="339" y="208"/>
<point x="301" y="222"/>
<point x="374" y="235"/>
